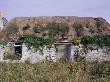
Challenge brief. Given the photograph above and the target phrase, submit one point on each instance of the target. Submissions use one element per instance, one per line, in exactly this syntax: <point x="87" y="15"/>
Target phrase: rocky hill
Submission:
<point x="78" y="26"/>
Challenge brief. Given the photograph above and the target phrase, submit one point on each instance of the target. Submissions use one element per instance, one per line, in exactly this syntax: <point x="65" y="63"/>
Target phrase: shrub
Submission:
<point x="35" y="41"/>
<point x="97" y="39"/>
<point x="87" y="40"/>
<point x="3" y="42"/>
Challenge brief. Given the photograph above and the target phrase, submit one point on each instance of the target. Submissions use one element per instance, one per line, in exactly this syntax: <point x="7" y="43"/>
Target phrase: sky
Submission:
<point x="27" y="8"/>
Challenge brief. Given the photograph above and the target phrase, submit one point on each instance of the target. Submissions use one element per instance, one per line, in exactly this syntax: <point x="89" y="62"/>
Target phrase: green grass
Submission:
<point x="55" y="72"/>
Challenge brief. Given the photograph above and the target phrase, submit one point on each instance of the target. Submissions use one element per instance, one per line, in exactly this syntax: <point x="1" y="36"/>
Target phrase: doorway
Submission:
<point x="18" y="49"/>
<point x="63" y="50"/>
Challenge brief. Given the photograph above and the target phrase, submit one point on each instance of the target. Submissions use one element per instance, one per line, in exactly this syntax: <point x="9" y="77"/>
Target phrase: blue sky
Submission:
<point x="91" y="8"/>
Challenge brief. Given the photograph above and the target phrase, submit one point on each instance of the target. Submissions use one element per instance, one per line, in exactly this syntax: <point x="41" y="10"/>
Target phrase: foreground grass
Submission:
<point x="55" y="72"/>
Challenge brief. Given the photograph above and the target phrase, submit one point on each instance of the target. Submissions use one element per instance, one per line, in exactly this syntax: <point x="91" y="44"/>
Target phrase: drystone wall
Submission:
<point x="90" y="53"/>
<point x="34" y="55"/>
<point x="93" y="53"/>
<point x="29" y="54"/>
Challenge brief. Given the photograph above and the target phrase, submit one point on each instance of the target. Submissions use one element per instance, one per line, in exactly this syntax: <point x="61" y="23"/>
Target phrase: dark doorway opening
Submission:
<point x="18" y="49"/>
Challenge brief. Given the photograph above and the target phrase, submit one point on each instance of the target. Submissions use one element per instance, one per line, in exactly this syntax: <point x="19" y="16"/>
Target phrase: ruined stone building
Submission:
<point x="60" y="49"/>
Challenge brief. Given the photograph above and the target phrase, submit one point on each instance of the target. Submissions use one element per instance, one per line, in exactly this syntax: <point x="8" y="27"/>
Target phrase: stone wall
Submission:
<point x="34" y="55"/>
<point x="54" y="54"/>
<point x="93" y="53"/>
<point x="28" y="54"/>
<point x="90" y="53"/>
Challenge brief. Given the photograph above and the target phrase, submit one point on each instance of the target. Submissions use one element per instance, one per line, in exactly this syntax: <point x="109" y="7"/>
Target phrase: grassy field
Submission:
<point x="55" y="72"/>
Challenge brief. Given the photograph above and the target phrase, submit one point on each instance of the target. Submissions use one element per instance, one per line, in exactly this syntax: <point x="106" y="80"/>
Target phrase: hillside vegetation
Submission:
<point x="68" y="27"/>
<point x="55" y="72"/>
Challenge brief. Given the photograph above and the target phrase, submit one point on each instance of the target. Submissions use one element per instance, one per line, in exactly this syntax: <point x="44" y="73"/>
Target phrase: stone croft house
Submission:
<point x="59" y="50"/>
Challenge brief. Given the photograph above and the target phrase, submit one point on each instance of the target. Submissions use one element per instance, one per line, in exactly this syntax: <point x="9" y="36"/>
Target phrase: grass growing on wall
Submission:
<point x="36" y="41"/>
<point x="3" y="42"/>
<point x="55" y="72"/>
<point x="97" y="39"/>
